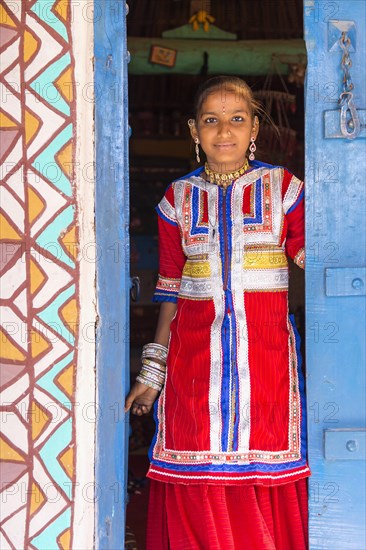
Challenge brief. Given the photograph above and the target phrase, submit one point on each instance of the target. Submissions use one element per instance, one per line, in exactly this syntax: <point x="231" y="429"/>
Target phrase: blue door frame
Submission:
<point x="335" y="279"/>
<point x="113" y="279"/>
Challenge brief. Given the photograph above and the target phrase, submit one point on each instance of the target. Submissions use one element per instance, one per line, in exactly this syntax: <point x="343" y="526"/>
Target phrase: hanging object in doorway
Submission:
<point x="297" y="74"/>
<point x="279" y="142"/>
<point x="200" y="25"/>
<point x="201" y="18"/>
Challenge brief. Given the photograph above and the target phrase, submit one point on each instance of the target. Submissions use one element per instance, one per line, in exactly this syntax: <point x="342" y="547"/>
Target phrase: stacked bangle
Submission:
<point x="153" y="360"/>
<point x="154" y="351"/>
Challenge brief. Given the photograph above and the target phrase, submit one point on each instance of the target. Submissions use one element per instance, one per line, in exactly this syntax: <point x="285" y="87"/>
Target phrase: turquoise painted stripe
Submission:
<point x="47" y="381"/>
<point x="43" y="10"/>
<point x="47" y="539"/>
<point x="59" y="440"/>
<point x="45" y="162"/>
<point x="51" y="317"/>
<point x="44" y="84"/>
<point x="48" y="239"/>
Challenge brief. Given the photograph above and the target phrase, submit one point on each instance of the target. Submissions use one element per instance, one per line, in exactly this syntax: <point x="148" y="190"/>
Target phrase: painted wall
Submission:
<point x="47" y="273"/>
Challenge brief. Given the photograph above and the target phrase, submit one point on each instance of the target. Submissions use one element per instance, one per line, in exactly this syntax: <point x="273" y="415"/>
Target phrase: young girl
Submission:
<point x="228" y="460"/>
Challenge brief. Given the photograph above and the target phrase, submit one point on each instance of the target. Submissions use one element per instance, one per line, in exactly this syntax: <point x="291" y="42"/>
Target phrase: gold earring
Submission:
<point x="252" y="148"/>
<point x="191" y="122"/>
<point x="197" y="149"/>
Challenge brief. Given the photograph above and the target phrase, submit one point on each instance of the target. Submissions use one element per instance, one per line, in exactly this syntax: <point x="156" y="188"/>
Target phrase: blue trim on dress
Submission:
<point x="303" y="426"/>
<point x="196" y="229"/>
<point x="258" y="204"/>
<point x="225" y="329"/>
<point x="233" y="368"/>
<point x="225" y="381"/>
<point x="232" y="468"/>
<point x="152" y="445"/>
<point x="301" y="196"/>
<point x="255" y="164"/>
<point x="230" y="231"/>
<point x="195" y="172"/>
<point x="164" y="217"/>
<point x="235" y="374"/>
<point x="165" y="296"/>
<point x="228" y="328"/>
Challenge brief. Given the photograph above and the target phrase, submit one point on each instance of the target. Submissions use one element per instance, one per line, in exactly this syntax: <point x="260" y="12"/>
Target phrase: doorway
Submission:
<point x="161" y="151"/>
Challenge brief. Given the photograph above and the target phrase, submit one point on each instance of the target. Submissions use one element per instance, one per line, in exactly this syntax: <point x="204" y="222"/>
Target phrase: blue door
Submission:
<point x="335" y="272"/>
<point x="113" y="281"/>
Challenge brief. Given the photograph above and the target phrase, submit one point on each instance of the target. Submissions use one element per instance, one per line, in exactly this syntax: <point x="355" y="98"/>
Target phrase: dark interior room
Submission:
<point x="161" y="149"/>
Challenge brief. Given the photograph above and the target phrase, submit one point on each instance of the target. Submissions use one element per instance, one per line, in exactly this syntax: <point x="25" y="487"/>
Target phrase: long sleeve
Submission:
<point x="293" y="203"/>
<point x="171" y="255"/>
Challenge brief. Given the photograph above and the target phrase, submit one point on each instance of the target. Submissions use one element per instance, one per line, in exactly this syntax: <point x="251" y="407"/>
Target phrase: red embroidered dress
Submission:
<point x="232" y="410"/>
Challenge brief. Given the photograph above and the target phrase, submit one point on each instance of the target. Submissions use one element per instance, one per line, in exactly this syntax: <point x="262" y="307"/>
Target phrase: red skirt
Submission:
<point x="240" y="517"/>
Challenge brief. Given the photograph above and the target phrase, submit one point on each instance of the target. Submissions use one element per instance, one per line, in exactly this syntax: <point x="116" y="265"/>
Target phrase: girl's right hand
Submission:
<point x="140" y="399"/>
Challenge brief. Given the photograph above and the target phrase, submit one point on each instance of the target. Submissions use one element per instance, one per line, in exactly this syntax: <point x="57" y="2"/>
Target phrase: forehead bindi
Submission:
<point x="221" y="102"/>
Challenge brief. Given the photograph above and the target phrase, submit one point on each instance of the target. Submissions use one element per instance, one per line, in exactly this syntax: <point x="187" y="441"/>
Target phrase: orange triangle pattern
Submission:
<point x="66" y="380"/>
<point x="8" y="350"/>
<point x="30" y="45"/>
<point x="37" y="498"/>
<point x="39" y="418"/>
<point x="60" y="8"/>
<point x="8" y="452"/>
<point x="39" y="344"/>
<point x="5" y="18"/>
<point x="64" y="158"/>
<point x="70" y="243"/>
<point x="64" y="540"/>
<point x="36" y="276"/>
<point x="6" y="121"/>
<point x="67" y="461"/>
<point x="35" y="205"/>
<point x="32" y="125"/>
<point x="8" y="231"/>
<point x="69" y="313"/>
<point x="64" y="84"/>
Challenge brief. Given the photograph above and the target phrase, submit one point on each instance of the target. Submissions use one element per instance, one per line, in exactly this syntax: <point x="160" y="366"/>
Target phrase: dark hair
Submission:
<point x="225" y="84"/>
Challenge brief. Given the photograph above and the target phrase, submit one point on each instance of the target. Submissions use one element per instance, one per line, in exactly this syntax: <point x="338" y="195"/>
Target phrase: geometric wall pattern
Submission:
<point x="39" y="275"/>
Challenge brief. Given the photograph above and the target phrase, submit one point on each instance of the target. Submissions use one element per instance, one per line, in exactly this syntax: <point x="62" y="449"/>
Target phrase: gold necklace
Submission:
<point x="224" y="179"/>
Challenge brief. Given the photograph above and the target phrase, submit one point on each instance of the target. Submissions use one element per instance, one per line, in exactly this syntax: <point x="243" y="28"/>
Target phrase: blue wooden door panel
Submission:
<point x="335" y="281"/>
<point x="113" y="281"/>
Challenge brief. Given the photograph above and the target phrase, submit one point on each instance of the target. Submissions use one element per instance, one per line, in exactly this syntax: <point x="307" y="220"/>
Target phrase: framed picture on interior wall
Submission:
<point x="162" y="56"/>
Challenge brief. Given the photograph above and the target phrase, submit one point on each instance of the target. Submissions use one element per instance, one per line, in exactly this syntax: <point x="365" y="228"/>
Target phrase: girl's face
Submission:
<point x="224" y="127"/>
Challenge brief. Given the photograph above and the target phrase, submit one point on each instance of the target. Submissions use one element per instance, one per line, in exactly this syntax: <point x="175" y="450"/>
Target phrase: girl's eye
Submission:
<point x="238" y="118"/>
<point x="210" y="120"/>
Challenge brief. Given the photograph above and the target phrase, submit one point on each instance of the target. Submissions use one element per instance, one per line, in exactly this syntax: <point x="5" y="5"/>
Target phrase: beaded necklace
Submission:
<point x="223" y="179"/>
